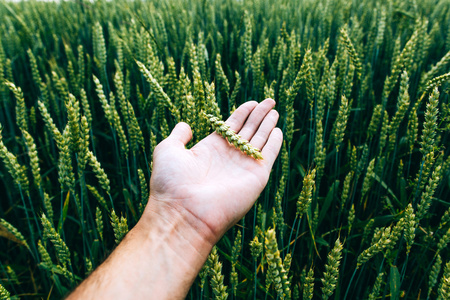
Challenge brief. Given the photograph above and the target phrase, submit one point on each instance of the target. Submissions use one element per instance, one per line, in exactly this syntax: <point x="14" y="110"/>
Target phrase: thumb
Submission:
<point x="182" y="133"/>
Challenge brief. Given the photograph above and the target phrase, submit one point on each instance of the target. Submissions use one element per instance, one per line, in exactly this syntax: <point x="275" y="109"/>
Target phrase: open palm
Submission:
<point x="214" y="181"/>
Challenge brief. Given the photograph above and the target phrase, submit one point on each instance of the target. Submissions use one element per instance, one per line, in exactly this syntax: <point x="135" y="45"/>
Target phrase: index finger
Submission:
<point x="272" y="147"/>
<point x="240" y="115"/>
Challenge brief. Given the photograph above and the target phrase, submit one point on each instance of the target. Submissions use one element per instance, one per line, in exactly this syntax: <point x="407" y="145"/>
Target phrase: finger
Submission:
<point x="272" y="147"/>
<point x="256" y="117"/>
<point x="267" y="125"/>
<point x="237" y="119"/>
<point x="181" y="133"/>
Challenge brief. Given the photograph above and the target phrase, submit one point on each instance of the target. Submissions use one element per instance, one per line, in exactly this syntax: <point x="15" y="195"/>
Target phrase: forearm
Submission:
<point x="158" y="259"/>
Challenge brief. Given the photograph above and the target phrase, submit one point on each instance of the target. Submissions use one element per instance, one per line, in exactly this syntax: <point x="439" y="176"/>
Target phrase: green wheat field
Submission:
<point x="358" y="202"/>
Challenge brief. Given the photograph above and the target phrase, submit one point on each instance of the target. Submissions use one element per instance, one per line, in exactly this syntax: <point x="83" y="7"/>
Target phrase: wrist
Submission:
<point x="185" y="240"/>
<point x="170" y="219"/>
<point x="158" y="259"/>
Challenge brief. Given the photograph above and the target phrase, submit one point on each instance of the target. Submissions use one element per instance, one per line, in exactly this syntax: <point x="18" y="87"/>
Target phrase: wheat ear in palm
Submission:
<point x="233" y="138"/>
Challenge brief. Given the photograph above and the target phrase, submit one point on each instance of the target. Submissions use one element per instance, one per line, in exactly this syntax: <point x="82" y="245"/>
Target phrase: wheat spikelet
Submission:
<point x="319" y="150"/>
<point x="73" y="83"/>
<point x="127" y="110"/>
<point x="402" y="106"/>
<point x="99" y="172"/>
<point x="9" y="71"/>
<point x="49" y="123"/>
<point x="157" y="89"/>
<point x="83" y="143"/>
<point x="66" y="176"/>
<point x="330" y="277"/>
<point x="436" y="82"/>
<point x="404" y="59"/>
<point x="3" y="88"/>
<point x="247" y="41"/>
<point x="322" y="93"/>
<point x="73" y="112"/>
<point x="437" y="68"/>
<point x="378" y="244"/>
<point x="112" y="116"/>
<point x="235" y="252"/>
<point x="381" y="27"/>
<point x="118" y="82"/>
<point x="305" y="198"/>
<point x="204" y="272"/>
<point x="430" y="124"/>
<point x="34" y="68"/>
<point x="413" y="128"/>
<point x="351" y="218"/>
<point x="17" y="237"/>
<point x="102" y="97"/>
<point x="220" y="75"/>
<point x="120" y="226"/>
<point x="62" y="251"/>
<point x="284" y="161"/>
<point x="332" y="84"/>
<point x="269" y="91"/>
<point x="407" y="55"/>
<point x="100" y="55"/>
<point x="346" y="188"/>
<point x="17" y="171"/>
<point x="61" y="87"/>
<point x="215" y="271"/>
<point x="118" y="126"/>
<point x="97" y="196"/>
<point x="368" y="180"/>
<point x="445" y="239"/>
<point x="144" y="187"/>
<point x="341" y="122"/>
<point x="81" y="69"/>
<point x="287" y="263"/>
<point x="308" y="285"/>
<point x="444" y="286"/>
<point x="278" y="207"/>
<point x="85" y="105"/>
<point x="384" y="133"/>
<point x="375" y="120"/>
<point x="348" y="80"/>
<point x="395" y="235"/>
<point x="276" y="271"/>
<point x="99" y="222"/>
<point x="212" y="107"/>
<point x="46" y="261"/>
<point x="434" y="273"/>
<point x="174" y="90"/>
<point x="367" y="230"/>
<point x="257" y="66"/>
<point x="291" y="93"/>
<point x="225" y="131"/>
<point x="376" y="287"/>
<point x="48" y="207"/>
<point x="34" y="159"/>
<point x="309" y="77"/>
<point x="256" y="247"/>
<point x="427" y="195"/>
<point x="410" y="227"/>
<point x="21" y="110"/>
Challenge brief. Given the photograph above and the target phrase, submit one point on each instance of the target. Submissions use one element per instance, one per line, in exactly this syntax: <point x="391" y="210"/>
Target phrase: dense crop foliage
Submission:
<point x="357" y="206"/>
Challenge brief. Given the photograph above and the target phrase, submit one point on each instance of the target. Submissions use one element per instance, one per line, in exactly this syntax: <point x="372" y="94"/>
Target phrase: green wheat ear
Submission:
<point x="236" y="140"/>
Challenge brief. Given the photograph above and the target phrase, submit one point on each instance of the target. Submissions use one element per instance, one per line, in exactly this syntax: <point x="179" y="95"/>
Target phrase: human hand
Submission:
<point x="213" y="182"/>
<point x="195" y="196"/>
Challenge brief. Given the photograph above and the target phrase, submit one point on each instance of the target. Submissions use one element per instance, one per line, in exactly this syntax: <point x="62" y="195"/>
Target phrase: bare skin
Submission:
<point x="196" y="195"/>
